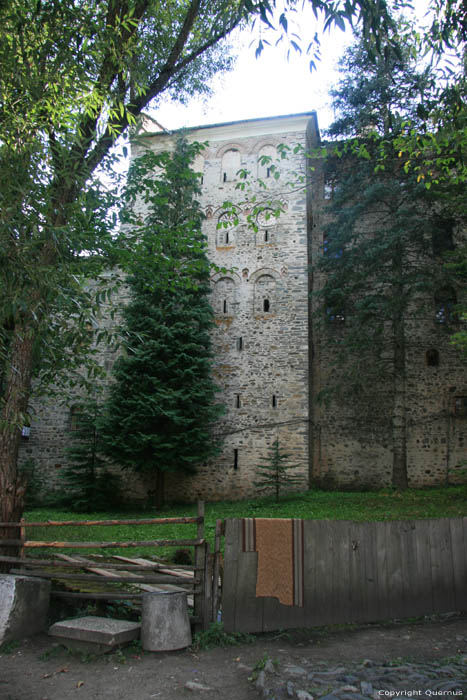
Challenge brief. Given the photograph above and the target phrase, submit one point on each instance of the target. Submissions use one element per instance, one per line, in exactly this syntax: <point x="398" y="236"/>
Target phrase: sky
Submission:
<point x="269" y="85"/>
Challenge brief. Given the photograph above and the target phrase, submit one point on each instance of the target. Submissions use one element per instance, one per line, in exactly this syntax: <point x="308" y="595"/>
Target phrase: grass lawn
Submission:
<point x="446" y="502"/>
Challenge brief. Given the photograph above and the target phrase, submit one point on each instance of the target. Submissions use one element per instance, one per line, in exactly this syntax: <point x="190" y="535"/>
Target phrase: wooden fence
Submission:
<point x="138" y="573"/>
<point x="353" y="572"/>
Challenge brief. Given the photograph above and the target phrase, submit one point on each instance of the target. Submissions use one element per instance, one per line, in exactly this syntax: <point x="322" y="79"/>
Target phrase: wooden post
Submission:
<point x="200" y="556"/>
<point x="216" y="570"/>
<point x="207" y="598"/>
<point x="22" y="536"/>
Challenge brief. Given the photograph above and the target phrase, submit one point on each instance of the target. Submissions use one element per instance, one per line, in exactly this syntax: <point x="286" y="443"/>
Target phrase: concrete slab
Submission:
<point x="24" y="605"/>
<point x="96" y="635"/>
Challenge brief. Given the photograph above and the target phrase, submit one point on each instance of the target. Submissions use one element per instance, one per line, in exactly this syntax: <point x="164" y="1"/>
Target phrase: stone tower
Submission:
<point x="260" y="299"/>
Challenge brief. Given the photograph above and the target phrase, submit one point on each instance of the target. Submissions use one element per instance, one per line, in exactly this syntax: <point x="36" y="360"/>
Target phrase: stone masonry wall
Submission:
<point x="271" y="358"/>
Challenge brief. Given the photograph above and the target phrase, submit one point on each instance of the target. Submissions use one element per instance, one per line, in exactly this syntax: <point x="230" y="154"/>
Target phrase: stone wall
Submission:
<point x="271" y="358"/>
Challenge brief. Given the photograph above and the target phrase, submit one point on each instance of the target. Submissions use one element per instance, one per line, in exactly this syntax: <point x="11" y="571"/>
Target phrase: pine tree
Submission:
<point x="162" y="406"/>
<point x="86" y="483"/>
<point x="381" y="263"/>
<point x="274" y="472"/>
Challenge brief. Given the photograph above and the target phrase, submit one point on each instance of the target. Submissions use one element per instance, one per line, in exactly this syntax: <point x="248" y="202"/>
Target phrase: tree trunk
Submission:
<point x="399" y="417"/>
<point x="16" y="396"/>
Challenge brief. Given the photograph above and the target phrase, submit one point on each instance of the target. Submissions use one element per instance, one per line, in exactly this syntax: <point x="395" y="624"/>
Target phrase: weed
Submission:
<point x="118" y="657"/>
<point x="51" y="653"/>
<point x="8" y="647"/>
<point x="215" y="636"/>
<point x="261" y="665"/>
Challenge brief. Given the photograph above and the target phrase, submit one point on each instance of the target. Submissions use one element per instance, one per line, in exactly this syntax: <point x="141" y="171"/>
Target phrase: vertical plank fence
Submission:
<point x="353" y="572"/>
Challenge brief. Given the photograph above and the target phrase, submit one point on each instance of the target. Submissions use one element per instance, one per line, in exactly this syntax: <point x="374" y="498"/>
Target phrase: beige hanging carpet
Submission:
<point x="279" y="544"/>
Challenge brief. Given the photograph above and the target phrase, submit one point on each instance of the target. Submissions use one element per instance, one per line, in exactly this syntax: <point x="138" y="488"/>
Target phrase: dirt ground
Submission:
<point x="39" y="670"/>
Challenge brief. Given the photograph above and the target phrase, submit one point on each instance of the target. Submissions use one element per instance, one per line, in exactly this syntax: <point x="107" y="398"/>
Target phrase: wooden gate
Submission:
<point x="352" y="572"/>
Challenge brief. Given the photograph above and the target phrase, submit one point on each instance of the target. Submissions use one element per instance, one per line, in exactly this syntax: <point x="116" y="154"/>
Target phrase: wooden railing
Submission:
<point x="147" y="574"/>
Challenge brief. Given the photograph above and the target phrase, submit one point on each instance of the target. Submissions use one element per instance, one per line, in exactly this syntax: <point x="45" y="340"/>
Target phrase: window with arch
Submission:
<point x="225" y="232"/>
<point x="445" y="306"/>
<point x="432" y="357"/>
<point x="264" y="294"/>
<point x="198" y="167"/>
<point x="224" y="297"/>
<point x="442" y="237"/>
<point x="266" y="222"/>
<point x="266" y="162"/>
<point x="231" y="162"/>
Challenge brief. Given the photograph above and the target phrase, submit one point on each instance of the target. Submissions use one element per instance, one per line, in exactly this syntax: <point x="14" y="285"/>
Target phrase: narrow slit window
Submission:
<point x="224" y="306"/>
<point x="268" y="172"/>
<point x="240" y="343"/>
<point x="235" y="465"/>
<point x="226" y="237"/>
<point x="274" y="401"/>
<point x="224" y="177"/>
<point x="266" y="236"/>
<point x="266" y="305"/>
<point x="237" y="401"/>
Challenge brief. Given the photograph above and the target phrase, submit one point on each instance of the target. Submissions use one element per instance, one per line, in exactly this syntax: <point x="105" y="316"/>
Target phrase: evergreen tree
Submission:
<point x="161" y="407"/>
<point x="87" y="485"/>
<point x="274" y="472"/>
<point x="381" y="264"/>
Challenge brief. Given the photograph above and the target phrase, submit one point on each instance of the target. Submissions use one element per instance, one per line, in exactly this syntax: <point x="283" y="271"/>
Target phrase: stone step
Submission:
<point x="96" y="635"/>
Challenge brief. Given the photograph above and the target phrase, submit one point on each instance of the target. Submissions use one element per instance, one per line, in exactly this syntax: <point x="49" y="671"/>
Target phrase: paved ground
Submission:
<point x="38" y="670"/>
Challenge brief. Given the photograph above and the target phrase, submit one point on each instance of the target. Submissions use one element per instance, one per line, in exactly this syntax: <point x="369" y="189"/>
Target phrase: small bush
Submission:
<point x="215" y="636"/>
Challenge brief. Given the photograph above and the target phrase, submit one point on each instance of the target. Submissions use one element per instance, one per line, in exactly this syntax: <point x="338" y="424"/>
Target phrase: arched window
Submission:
<point x="432" y="358"/>
<point x="225" y="233"/>
<point x="198" y="167"/>
<point x="442" y="236"/>
<point x="224" y="297"/>
<point x="445" y="305"/>
<point x="266" y="222"/>
<point x="264" y="294"/>
<point x="231" y="162"/>
<point x="266" y="162"/>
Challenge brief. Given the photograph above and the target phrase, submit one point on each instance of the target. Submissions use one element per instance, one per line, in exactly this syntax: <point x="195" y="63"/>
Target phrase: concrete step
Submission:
<point x="95" y="635"/>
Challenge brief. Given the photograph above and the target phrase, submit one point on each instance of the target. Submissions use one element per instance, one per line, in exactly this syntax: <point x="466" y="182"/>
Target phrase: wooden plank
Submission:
<point x="357" y="611"/>
<point x="441" y="566"/>
<point x="339" y="602"/>
<point x="242" y="610"/>
<point x="144" y="586"/>
<point x="200" y="563"/>
<point x="315" y="572"/>
<point x="92" y="523"/>
<point x="459" y="561"/>
<point x="249" y="608"/>
<point x="404" y="607"/>
<point x="117" y="577"/>
<point x="370" y="591"/>
<point x="229" y="588"/>
<point x="207" y="598"/>
<point x="183" y="573"/>
<point x="97" y="596"/>
<point x="216" y="581"/>
<point x="382" y="534"/>
<point x="30" y="562"/>
<point x="416" y="585"/>
<point x="35" y="544"/>
<point x="423" y="559"/>
<point x="395" y="581"/>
